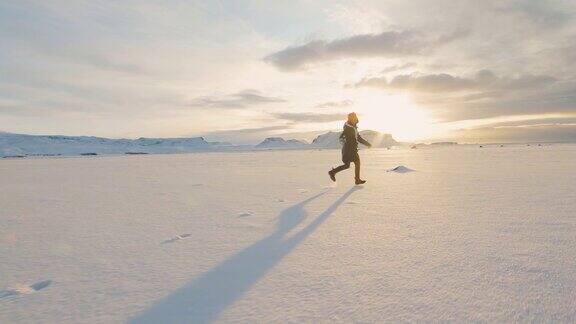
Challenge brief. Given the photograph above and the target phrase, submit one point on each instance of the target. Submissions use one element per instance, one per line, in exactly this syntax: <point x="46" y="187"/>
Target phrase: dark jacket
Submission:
<point x="350" y="138"/>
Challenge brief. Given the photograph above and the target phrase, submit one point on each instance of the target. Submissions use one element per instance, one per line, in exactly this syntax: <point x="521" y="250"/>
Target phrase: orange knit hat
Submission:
<point x="352" y="118"/>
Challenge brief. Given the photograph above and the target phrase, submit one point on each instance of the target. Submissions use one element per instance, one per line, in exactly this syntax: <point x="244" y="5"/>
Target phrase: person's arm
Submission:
<point x="363" y="141"/>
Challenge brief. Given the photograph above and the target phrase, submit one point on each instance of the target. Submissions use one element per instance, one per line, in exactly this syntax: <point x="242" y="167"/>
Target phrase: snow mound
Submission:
<point x="400" y="169"/>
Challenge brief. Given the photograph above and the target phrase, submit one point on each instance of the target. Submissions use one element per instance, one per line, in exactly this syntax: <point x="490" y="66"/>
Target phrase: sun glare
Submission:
<point x="397" y="115"/>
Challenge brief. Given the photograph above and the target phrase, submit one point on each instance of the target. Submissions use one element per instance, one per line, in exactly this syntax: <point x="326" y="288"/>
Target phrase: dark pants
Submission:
<point x="347" y="165"/>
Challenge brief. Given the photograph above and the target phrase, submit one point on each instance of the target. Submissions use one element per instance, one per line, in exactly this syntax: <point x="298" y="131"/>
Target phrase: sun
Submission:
<point x="396" y="114"/>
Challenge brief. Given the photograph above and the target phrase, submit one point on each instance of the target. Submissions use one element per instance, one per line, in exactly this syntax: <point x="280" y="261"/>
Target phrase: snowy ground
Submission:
<point x="474" y="234"/>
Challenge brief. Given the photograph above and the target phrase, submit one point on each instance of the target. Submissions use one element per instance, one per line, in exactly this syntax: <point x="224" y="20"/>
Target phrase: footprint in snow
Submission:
<point x="246" y="214"/>
<point x="176" y="238"/>
<point x="24" y="290"/>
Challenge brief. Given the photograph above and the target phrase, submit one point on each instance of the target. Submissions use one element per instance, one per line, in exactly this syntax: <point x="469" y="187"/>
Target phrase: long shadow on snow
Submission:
<point x="206" y="297"/>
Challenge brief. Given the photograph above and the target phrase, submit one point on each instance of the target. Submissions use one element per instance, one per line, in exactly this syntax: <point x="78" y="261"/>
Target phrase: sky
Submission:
<point x="239" y="71"/>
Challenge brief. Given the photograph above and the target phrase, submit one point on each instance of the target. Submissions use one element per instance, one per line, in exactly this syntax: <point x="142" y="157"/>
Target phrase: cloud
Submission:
<point x="309" y="117"/>
<point x="241" y="99"/>
<point x="451" y="97"/>
<point x="539" y="12"/>
<point x="523" y="98"/>
<point x="386" y="44"/>
<point x="248" y="131"/>
<point x="335" y="104"/>
<point x="398" y="67"/>
<point x="245" y="135"/>
<point x="426" y="83"/>
<point x="550" y="121"/>
<point x="484" y="80"/>
<point x="521" y="133"/>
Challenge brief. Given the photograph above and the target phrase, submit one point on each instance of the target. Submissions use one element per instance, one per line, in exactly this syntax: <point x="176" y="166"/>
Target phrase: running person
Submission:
<point x="350" y="138"/>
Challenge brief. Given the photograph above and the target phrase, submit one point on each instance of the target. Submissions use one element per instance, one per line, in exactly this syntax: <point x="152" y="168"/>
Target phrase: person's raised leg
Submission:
<point x="333" y="172"/>
<point x="342" y="167"/>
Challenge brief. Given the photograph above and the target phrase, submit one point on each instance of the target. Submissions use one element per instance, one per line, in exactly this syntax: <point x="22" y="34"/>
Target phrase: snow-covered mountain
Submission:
<point x="332" y="139"/>
<point x="18" y="144"/>
<point x="328" y="140"/>
<point x="279" y="142"/>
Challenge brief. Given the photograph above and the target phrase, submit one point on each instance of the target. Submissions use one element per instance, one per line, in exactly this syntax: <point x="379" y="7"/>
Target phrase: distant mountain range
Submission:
<point x="332" y="139"/>
<point x="18" y="144"/>
<point x="45" y="145"/>
<point x="279" y="142"/>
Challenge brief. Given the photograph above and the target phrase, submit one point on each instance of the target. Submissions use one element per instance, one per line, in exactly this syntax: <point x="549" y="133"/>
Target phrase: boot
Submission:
<point x="332" y="175"/>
